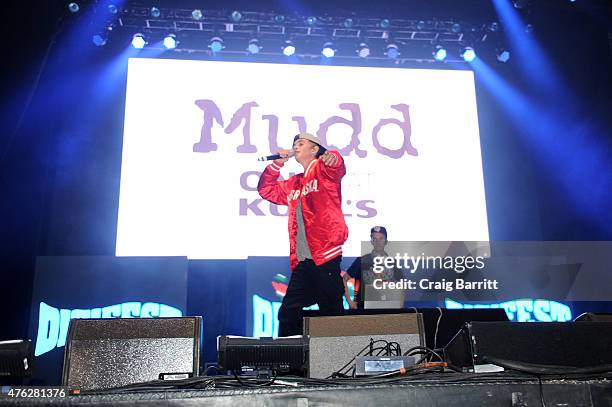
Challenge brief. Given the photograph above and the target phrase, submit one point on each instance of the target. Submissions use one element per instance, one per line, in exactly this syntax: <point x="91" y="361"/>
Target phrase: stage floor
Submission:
<point x="445" y="390"/>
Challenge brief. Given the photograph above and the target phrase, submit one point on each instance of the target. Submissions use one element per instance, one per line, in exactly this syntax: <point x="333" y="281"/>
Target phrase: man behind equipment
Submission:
<point x="317" y="229"/>
<point x="366" y="296"/>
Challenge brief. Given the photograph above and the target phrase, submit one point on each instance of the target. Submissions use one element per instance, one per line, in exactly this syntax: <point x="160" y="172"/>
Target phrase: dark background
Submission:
<point x="61" y="137"/>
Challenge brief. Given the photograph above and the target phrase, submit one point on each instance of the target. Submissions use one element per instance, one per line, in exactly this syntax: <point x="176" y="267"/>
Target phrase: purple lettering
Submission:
<point x="369" y="211"/>
<point x="243" y="114"/>
<point x="277" y="211"/>
<point x="272" y="132"/>
<point x="253" y="206"/>
<point x="354" y="123"/>
<point x="211" y="112"/>
<point x="406" y="130"/>
<point x="244" y="180"/>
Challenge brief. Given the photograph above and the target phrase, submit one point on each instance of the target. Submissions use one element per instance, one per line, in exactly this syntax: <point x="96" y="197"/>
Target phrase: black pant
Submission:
<point x="311" y="284"/>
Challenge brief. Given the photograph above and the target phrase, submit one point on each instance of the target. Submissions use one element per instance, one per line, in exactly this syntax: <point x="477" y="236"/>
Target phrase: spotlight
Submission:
<point x="196" y="14"/>
<point x="420" y="25"/>
<point x="279" y="19"/>
<point x="138" y="41"/>
<point x="328" y="50"/>
<point x="254" y="46"/>
<point x="392" y="51"/>
<point x="215" y="44"/>
<point x="503" y="55"/>
<point x="519" y="3"/>
<point x="155" y="12"/>
<point x="468" y="54"/>
<point x="364" y="50"/>
<point x="456" y="28"/>
<point x="73" y="7"/>
<point x="289" y="48"/>
<point x="384" y="23"/>
<point x="99" y="40"/>
<point x="112" y="9"/>
<point x="440" y="53"/>
<point x="170" y="41"/>
<point x="312" y="20"/>
<point x="347" y="23"/>
<point x="236" y="16"/>
<point x="493" y="27"/>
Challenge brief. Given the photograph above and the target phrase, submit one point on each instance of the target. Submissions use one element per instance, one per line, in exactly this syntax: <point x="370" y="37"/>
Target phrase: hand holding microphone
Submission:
<point x="280" y="158"/>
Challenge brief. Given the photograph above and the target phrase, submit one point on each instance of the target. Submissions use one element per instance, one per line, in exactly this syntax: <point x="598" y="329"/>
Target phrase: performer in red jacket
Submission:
<point x="317" y="229"/>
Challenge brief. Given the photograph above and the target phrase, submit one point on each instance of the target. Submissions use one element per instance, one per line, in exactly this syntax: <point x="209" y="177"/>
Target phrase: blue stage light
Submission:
<point x="364" y="50"/>
<point x="99" y="40"/>
<point x="456" y="28"/>
<point x="392" y="51"/>
<point x="196" y="14"/>
<point x="420" y="25"/>
<point x="384" y="23"/>
<point x="112" y="9"/>
<point x="155" y="12"/>
<point x="73" y="7"/>
<point x="138" y="41"/>
<point x="216" y="44"/>
<point x="503" y="55"/>
<point x="328" y="50"/>
<point x="289" y="48"/>
<point x="311" y="21"/>
<point x="440" y="53"/>
<point x="348" y="23"/>
<point x="170" y="41"/>
<point x="254" y="46"/>
<point x="236" y="16"/>
<point x="468" y="54"/>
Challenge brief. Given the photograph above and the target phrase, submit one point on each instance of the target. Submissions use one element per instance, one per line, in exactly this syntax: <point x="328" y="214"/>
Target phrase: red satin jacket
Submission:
<point x="319" y="190"/>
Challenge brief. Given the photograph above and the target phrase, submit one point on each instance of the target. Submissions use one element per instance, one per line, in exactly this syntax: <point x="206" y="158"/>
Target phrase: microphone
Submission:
<point x="275" y="157"/>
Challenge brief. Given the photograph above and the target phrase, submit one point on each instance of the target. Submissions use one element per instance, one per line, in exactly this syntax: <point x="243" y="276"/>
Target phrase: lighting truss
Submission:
<point x="415" y="38"/>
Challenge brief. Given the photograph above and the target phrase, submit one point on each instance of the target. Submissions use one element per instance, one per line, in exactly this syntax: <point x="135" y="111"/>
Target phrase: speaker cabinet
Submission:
<point x="106" y="353"/>
<point x="334" y="341"/>
<point x="578" y="344"/>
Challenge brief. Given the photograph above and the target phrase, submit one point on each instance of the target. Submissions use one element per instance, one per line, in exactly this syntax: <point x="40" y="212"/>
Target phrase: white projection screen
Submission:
<point x="194" y="129"/>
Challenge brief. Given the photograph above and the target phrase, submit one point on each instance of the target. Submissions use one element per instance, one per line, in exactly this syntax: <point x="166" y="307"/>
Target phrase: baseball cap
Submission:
<point x="379" y="229"/>
<point x="308" y="136"/>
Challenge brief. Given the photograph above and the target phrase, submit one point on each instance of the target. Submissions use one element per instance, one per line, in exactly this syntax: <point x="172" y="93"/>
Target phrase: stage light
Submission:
<point x="503" y="55"/>
<point x="311" y="21"/>
<point x="73" y="7"/>
<point x="196" y="14"/>
<point x="254" y="46"/>
<point x="138" y="41"/>
<point x="347" y="23"/>
<point x="288" y="48"/>
<point x="519" y="3"/>
<point x="456" y="28"/>
<point x="170" y="41"/>
<point x="420" y="25"/>
<point x="279" y="18"/>
<point x="493" y="27"/>
<point x="468" y="54"/>
<point x="155" y="12"/>
<point x="328" y="50"/>
<point x="392" y="51"/>
<point x="384" y="23"/>
<point x="364" y="50"/>
<point x="236" y="16"/>
<point x="99" y="40"/>
<point x="112" y="9"/>
<point x="440" y="53"/>
<point x="215" y="44"/>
